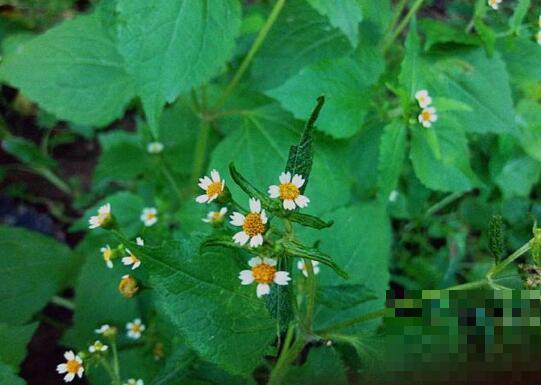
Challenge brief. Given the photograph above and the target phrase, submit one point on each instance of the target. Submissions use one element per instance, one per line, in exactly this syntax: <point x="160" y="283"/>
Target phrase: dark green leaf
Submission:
<point x="16" y="337"/>
<point x="309" y="220"/>
<point x="342" y="297"/>
<point x="27" y="152"/>
<point x="297" y="249"/>
<point x="247" y="187"/>
<point x="343" y="14"/>
<point x="322" y="367"/>
<point x="8" y="376"/>
<point x="392" y="150"/>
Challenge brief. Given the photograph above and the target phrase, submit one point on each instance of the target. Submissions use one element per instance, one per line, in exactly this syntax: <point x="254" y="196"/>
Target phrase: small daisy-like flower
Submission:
<point x="253" y="224"/>
<point x="215" y="216"/>
<point x="106" y="330"/>
<point x="494" y="4"/>
<point x="538" y="37"/>
<point x="97" y="347"/>
<point x="103" y="218"/>
<point x="149" y="216"/>
<point x="132" y="260"/>
<point x="539" y="21"/>
<point x="423" y="98"/>
<point x="302" y="267"/>
<point x="139" y="241"/>
<point x="72" y="367"/>
<point x="393" y="196"/>
<point x="213" y="187"/>
<point x="128" y="286"/>
<point x="264" y="273"/>
<point x="289" y="191"/>
<point x="134" y="329"/>
<point x="107" y="254"/>
<point x="133" y="381"/>
<point x="154" y="147"/>
<point x="428" y="116"/>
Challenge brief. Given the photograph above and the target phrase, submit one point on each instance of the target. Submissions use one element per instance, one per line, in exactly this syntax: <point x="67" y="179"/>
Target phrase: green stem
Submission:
<point x="310" y="294"/>
<point x="470" y="285"/>
<point x="200" y="154"/>
<point x="286" y="358"/>
<point x="413" y="10"/>
<point x="54" y="179"/>
<point x="503" y="264"/>
<point x="116" y="367"/>
<point x="251" y="53"/>
<point x="396" y="16"/>
<point x="352" y="322"/>
<point x="170" y="178"/>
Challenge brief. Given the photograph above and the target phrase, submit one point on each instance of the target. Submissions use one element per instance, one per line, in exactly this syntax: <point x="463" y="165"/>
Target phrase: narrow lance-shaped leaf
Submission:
<point x="392" y="150"/>
<point x="247" y="187"/>
<point x="301" y="155"/>
<point x="309" y="220"/>
<point x="297" y="249"/>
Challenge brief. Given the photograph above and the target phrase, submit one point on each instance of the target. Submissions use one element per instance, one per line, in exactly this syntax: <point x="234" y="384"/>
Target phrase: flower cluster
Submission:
<point x="494" y="4"/>
<point x="428" y="113"/>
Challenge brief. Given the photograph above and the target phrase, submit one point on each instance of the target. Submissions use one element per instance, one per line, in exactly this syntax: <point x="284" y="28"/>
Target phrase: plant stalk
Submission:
<point x="413" y="10"/>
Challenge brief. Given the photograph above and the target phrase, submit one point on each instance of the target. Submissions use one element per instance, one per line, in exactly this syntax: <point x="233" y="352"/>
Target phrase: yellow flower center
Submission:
<point x="289" y="191"/>
<point x="215" y="188"/>
<point x="72" y="366"/>
<point x="263" y="273"/>
<point x="107" y="254"/>
<point x="151" y="216"/>
<point x="253" y="224"/>
<point x="136" y="328"/>
<point x="216" y="216"/>
<point x="425" y="115"/>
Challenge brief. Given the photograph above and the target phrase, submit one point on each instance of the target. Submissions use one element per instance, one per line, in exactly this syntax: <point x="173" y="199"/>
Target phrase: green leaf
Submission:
<point x="203" y="298"/>
<point x="27" y="152"/>
<point x="521" y="9"/>
<point x="172" y="46"/>
<point x="8" y="376"/>
<point x="309" y="220"/>
<point x="343" y="297"/>
<point x="452" y="172"/>
<point x="439" y="32"/>
<point x="522" y="57"/>
<point x="16" y="337"/>
<point x="126" y="208"/>
<point x="392" y="151"/>
<point x="278" y="304"/>
<point x="409" y="68"/>
<point x="300" y="158"/>
<point x="300" y="37"/>
<point x="37" y="268"/>
<point x="73" y="71"/>
<point x="297" y="249"/>
<point x="342" y="83"/>
<point x="343" y="14"/>
<point x="529" y="123"/>
<point x="323" y="366"/>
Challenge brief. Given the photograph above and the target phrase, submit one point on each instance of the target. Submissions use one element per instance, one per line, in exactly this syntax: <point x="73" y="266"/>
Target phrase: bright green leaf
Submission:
<point x="392" y="151"/>
<point x="343" y="14"/>
<point x="323" y="366"/>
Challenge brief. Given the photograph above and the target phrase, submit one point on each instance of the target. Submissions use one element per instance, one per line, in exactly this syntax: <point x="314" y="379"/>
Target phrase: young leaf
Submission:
<point x="410" y="70"/>
<point x="27" y="152"/>
<point x="309" y="220"/>
<point x="392" y="150"/>
<point x="297" y="249"/>
<point x="248" y="188"/>
<point x="301" y="156"/>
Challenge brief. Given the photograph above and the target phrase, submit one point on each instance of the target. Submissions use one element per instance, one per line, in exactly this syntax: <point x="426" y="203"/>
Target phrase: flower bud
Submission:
<point x="128" y="286"/>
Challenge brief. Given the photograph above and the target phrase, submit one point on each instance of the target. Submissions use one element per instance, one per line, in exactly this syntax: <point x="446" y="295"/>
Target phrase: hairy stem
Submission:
<point x="503" y="264"/>
<point x="310" y="295"/>
<point x="261" y="36"/>
<point x="200" y="154"/>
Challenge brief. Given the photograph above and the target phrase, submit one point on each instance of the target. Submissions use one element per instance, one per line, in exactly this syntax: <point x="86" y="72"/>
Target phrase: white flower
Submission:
<point x="213" y="187"/>
<point x="539" y="21"/>
<point x="97" y="346"/>
<point x="494" y="4"/>
<point x="107" y="254"/>
<point x="253" y="224"/>
<point x="289" y="191"/>
<point x="139" y="241"/>
<point x="132" y="260"/>
<point x="103" y="217"/>
<point x="215" y="216"/>
<point x="73" y="366"/>
<point x="154" y="147"/>
<point x="134" y="329"/>
<point x="133" y="381"/>
<point x="538" y="37"/>
<point x="149" y="216"/>
<point x="264" y="273"/>
<point x="302" y="267"/>
<point x="103" y="329"/>
<point x="428" y="116"/>
<point x="423" y="98"/>
<point x="393" y="196"/>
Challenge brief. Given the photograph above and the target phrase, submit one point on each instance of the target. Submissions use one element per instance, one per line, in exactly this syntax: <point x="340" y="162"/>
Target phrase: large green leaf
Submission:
<point x="322" y="367"/>
<point x="343" y="14"/>
<point x="34" y="268"/>
<point x="172" y="46"/>
<point x="452" y="172"/>
<point x="202" y="296"/>
<point x="344" y="87"/>
<point x="529" y="123"/>
<point x="8" y="376"/>
<point x="26" y="152"/>
<point x="300" y="37"/>
<point x="73" y="71"/>
<point x="392" y="150"/>
<point x="17" y="337"/>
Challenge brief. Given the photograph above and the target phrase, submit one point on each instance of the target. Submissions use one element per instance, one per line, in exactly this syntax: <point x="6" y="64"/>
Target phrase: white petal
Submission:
<point x="212" y="198"/>
<point x="255" y="205"/>
<point x="204" y="182"/>
<point x="142" y="328"/>
<point x="202" y="198"/>
<point x="264" y="218"/>
<point x="246" y="277"/>
<point x="62" y="368"/>
<point x="223" y="210"/>
<point x="139" y="241"/>
<point x="288" y="204"/>
<point x="262" y="289"/>
<point x="92" y="349"/>
<point x="274" y="191"/>
<point x="127" y="261"/>
<point x="237" y="219"/>
<point x="137" y="321"/>
<point x="80" y="371"/>
<point x="433" y="117"/>
<point x="105" y="209"/>
<point x="241" y="238"/>
<point x="426" y="124"/>
<point x="316" y="270"/>
<point x="302" y="201"/>
<point x="300" y="265"/>
<point x="421" y="94"/>
<point x="69" y="355"/>
<point x="256" y="240"/>
<point x="270" y="261"/>
<point x="281" y="278"/>
<point x="285" y="177"/>
<point x="298" y="180"/>
<point x="255" y="261"/>
<point x="215" y="175"/>
<point x="136" y="265"/>
<point x="69" y="377"/>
